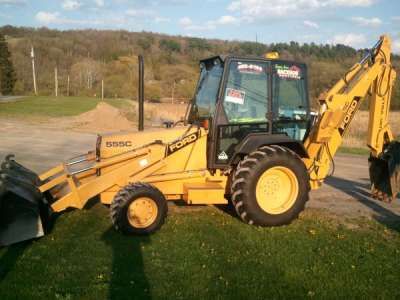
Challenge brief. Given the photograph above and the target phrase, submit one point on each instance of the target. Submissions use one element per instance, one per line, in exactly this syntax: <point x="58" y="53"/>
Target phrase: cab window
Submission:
<point x="207" y="90"/>
<point x="289" y="100"/>
<point x="289" y="92"/>
<point x="246" y="92"/>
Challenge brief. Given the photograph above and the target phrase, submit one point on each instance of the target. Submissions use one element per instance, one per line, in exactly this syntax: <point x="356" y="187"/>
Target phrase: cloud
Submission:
<point x="49" y="18"/>
<point x="263" y="9"/>
<point x="310" y="24"/>
<point x="185" y="21"/>
<point x="252" y="10"/>
<point x="350" y="3"/>
<point x="170" y="2"/>
<point x="234" y="6"/>
<point x="188" y="24"/>
<point x="372" y="22"/>
<point x="71" y="5"/>
<point x="13" y="2"/>
<point x="6" y="16"/>
<point x="308" y="38"/>
<point x="396" y="42"/>
<point x="177" y="2"/>
<point x="140" y="13"/>
<point x="349" y="39"/>
<point x="200" y="27"/>
<point x="226" y="20"/>
<point x="395" y="18"/>
<point x="162" y="20"/>
<point x="99" y="3"/>
<point x="396" y="46"/>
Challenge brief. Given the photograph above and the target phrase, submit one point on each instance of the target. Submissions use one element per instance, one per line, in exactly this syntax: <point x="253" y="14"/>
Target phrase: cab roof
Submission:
<point x="224" y="58"/>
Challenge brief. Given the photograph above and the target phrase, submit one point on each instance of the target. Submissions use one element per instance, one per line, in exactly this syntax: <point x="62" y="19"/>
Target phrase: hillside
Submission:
<point x="89" y="56"/>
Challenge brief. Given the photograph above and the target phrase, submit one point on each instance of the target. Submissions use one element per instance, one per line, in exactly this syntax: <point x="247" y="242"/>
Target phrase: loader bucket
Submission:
<point x="384" y="172"/>
<point x="24" y="210"/>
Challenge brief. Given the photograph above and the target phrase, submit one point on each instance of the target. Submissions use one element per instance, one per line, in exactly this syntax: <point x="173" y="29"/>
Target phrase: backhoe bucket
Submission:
<point x="384" y="173"/>
<point x="24" y="210"/>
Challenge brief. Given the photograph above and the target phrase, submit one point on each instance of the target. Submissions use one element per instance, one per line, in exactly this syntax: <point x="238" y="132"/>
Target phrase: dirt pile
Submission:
<point x="103" y="118"/>
<point x="107" y="118"/>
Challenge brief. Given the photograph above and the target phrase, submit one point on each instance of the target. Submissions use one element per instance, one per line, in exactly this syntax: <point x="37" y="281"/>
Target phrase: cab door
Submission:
<point x="290" y="103"/>
<point x="244" y="107"/>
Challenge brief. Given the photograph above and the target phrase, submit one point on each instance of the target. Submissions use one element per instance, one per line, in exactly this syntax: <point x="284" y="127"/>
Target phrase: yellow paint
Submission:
<point x="272" y="55"/>
<point x="142" y="212"/>
<point x="54" y="171"/>
<point x="142" y="156"/>
<point x="337" y="106"/>
<point x="277" y="190"/>
<point x="144" y="161"/>
<point x="139" y="139"/>
<point x="107" y="197"/>
<point x="204" y="193"/>
<point x="56" y="181"/>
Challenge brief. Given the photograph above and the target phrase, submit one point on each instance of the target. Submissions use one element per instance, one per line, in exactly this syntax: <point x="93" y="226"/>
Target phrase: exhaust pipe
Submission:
<point x="141" y="94"/>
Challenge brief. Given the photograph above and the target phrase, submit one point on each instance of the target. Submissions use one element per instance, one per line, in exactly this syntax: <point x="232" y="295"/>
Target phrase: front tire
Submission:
<point x="270" y="186"/>
<point x="138" y="208"/>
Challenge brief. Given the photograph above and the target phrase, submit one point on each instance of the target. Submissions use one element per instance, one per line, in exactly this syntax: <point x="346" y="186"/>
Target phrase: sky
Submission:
<point x="357" y="23"/>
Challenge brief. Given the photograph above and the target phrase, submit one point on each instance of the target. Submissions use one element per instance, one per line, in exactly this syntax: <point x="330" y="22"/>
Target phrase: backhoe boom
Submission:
<point x="373" y="75"/>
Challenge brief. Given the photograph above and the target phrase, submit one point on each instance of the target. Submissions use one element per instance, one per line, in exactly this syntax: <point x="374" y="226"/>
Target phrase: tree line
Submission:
<point x="7" y="73"/>
<point x="88" y="57"/>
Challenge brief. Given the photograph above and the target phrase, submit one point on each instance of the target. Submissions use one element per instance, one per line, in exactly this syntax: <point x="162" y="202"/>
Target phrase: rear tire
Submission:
<point x="138" y="208"/>
<point x="270" y="186"/>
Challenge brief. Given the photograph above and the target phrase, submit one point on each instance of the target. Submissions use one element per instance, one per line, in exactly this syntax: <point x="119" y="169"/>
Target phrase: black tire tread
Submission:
<point x="243" y="174"/>
<point x="125" y="196"/>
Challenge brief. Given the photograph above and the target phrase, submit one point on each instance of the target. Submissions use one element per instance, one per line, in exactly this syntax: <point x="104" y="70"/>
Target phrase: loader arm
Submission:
<point x="373" y="75"/>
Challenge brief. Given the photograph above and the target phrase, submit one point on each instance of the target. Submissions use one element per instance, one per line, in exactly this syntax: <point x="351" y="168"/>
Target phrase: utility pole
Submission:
<point x="102" y="89"/>
<point x="173" y="92"/>
<point x="68" y="85"/>
<point x="56" y="81"/>
<point x="33" y="71"/>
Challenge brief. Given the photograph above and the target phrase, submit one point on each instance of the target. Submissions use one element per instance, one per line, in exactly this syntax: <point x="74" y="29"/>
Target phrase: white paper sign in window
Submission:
<point x="234" y="96"/>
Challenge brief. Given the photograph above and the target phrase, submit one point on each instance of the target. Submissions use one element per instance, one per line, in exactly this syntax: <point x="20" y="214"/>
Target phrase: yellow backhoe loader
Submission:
<point x="248" y="137"/>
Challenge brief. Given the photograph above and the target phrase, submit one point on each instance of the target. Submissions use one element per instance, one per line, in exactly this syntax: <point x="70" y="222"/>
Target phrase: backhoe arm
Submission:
<point x="373" y="74"/>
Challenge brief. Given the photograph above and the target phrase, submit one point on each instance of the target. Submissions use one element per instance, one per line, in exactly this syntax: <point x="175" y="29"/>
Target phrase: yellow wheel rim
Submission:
<point x="142" y="212"/>
<point x="277" y="190"/>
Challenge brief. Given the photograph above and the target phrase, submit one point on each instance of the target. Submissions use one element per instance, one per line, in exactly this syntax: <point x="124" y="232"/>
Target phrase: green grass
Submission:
<point x="47" y="106"/>
<point x="204" y="254"/>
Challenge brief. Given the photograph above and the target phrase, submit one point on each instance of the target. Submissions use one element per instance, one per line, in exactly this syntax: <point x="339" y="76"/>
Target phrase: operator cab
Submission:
<point x="250" y="100"/>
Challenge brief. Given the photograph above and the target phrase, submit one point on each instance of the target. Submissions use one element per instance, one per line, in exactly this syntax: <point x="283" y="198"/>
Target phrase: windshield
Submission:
<point x="207" y="91"/>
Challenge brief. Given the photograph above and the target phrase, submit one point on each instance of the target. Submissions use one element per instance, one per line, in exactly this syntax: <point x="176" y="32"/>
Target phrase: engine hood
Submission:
<point x="112" y="144"/>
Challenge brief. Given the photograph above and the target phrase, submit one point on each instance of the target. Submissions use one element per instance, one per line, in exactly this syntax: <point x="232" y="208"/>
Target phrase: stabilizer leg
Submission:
<point x="384" y="172"/>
